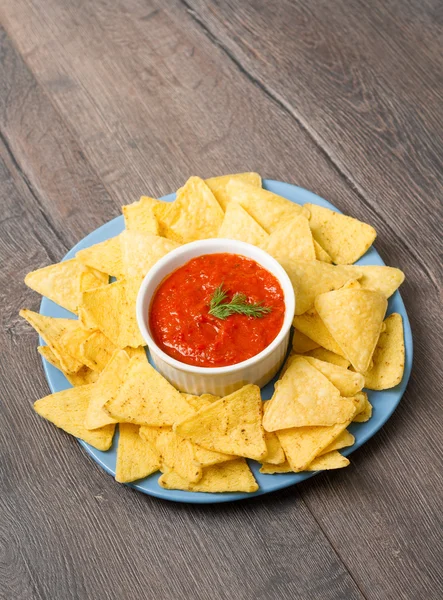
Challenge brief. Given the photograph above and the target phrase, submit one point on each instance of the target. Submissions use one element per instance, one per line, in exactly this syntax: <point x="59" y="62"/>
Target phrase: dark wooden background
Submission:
<point x="102" y="101"/>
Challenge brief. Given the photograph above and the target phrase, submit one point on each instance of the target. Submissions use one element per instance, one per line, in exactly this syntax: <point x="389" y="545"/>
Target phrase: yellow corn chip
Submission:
<point x="347" y="382"/>
<point x="84" y="319"/>
<point x="177" y="454"/>
<point x="304" y="397"/>
<point x="146" y="398"/>
<point x="301" y="343"/>
<point x="389" y="356"/>
<point x="328" y="356"/>
<point x="105" y="256"/>
<point x="313" y="327"/>
<point x="61" y="282"/>
<point x="150" y="434"/>
<point x="209" y="457"/>
<point x="73" y="340"/>
<point x="321" y="254"/>
<point x="139" y="216"/>
<point x="198" y="402"/>
<point x="344" y="440"/>
<point x="194" y="215"/>
<point x="268" y="209"/>
<point x="218" y="185"/>
<point x="232" y="476"/>
<point x="354" y="318"/>
<point x="311" y="278"/>
<point x="140" y="252"/>
<point x="344" y="238"/>
<point x="271" y="469"/>
<point x="380" y="279"/>
<point x="231" y="425"/>
<point x="352" y="285"/>
<point x="136" y="458"/>
<point x="54" y="332"/>
<point x="274" y="452"/>
<point x="290" y="241"/>
<point x="67" y="410"/>
<point x="112" y="309"/>
<point x="96" y="351"/>
<point x="82" y="377"/>
<point x="331" y="460"/>
<point x="239" y="225"/>
<point x="110" y="380"/>
<point x="364" y="412"/>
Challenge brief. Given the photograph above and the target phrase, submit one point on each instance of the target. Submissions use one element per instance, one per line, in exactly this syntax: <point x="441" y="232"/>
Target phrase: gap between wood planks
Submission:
<point x="289" y="109"/>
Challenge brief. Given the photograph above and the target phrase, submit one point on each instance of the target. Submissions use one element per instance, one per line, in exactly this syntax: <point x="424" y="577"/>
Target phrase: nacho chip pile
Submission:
<point x="343" y="342"/>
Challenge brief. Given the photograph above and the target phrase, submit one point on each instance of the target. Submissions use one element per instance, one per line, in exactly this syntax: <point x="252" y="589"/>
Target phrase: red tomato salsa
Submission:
<point x="182" y="326"/>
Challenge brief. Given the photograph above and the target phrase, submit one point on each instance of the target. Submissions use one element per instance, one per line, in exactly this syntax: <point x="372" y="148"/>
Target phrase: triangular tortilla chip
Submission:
<point x="81" y="377"/>
<point x="380" y="278"/>
<point x="54" y="332"/>
<point x="354" y="318"/>
<point x="364" y="412"/>
<point x="218" y="185"/>
<point x="198" y="402"/>
<point x="321" y="254"/>
<point x="146" y="398"/>
<point x="67" y="410"/>
<point x="105" y="256"/>
<point x="331" y="460"/>
<point x="344" y="440"/>
<point x="291" y="241"/>
<point x="112" y="309"/>
<point x="389" y="356"/>
<point x="347" y="382"/>
<point x="62" y="282"/>
<point x="194" y="215"/>
<point x="139" y="216"/>
<point x="313" y="327"/>
<point x="231" y="425"/>
<point x="344" y="238"/>
<point x="232" y="476"/>
<point x="239" y="225"/>
<point x="274" y="452"/>
<point x="268" y="209"/>
<point x="311" y="278"/>
<point x="140" y="252"/>
<point x="209" y="457"/>
<point x="177" y="454"/>
<point x="136" y="458"/>
<point x="96" y="351"/>
<point x="328" y="356"/>
<point x="110" y="380"/>
<point x="301" y="343"/>
<point x="304" y="397"/>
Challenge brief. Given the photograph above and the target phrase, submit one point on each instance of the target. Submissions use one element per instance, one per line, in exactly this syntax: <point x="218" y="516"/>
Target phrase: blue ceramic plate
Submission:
<point x="384" y="402"/>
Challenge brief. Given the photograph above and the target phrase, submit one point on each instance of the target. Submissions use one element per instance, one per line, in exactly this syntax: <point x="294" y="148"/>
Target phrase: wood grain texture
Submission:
<point x="101" y="102"/>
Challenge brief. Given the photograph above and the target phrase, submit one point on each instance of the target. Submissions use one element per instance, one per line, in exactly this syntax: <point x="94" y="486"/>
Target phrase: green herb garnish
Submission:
<point x="238" y="305"/>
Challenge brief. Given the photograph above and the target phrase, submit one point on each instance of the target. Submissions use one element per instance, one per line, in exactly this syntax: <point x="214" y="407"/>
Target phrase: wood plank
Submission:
<point x="68" y="529"/>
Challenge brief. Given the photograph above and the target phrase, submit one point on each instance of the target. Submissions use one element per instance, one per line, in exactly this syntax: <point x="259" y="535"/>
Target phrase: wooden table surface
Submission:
<point x="102" y="101"/>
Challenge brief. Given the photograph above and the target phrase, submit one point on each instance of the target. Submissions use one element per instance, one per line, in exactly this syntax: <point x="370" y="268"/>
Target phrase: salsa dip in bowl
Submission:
<point x="216" y="314"/>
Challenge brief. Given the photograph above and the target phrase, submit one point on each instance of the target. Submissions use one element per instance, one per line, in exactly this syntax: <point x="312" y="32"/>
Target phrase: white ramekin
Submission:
<point x="216" y="380"/>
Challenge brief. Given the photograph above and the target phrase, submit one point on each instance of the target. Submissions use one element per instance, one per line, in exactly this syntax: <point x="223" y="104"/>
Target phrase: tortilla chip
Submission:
<point x="344" y="440"/>
<point x="139" y="216"/>
<point x="217" y="185"/>
<point x="321" y="254"/>
<point x="146" y="398"/>
<point x="177" y="454"/>
<point x="96" y="351"/>
<point x="232" y="476"/>
<point x="302" y="444"/>
<point x="198" y="402"/>
<point x="304" y="397"/>
<point x="347" y="382"/>
<point x="82" y="377"/>
<point x="112" y="309"/>
<point x="328" y="356"/>
<point x="85" y="321"/>
<point x="105" y="256"/>
<point x="239" y="225"/>
<point x="301" y="343"/>
<point x="107" y="386"/>
<point x="268" y="209"/>
<point x="136" y="458"/>
<point x="311" y="278"/>
<point x="231" y="425"/>
<point x="73" y="340"/>
<point x="291" y="241"/>
<point x="194" y="215"/>
<point x="150" y="434"/>
<point x="209" y="457"/>
<point x="365" y="410"/>
<point x="274" y="452"/>
<point x="313" y="327"/>
<point x="344" y="238"/>
<point x="140" y="252"/>
<point x="381" y="279"/>
<point x="67" y="410"/>
<point x="54" y="332"/>
<point x="389" y="356"/>
<point x="331" y="460"/>
<point x="354" y="318"/>
<point x="271" y="469"/>
<point x="61" y="282"/>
